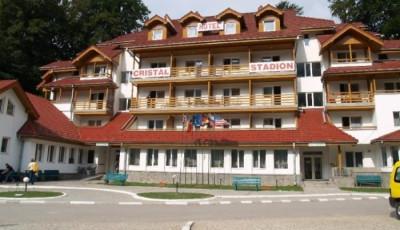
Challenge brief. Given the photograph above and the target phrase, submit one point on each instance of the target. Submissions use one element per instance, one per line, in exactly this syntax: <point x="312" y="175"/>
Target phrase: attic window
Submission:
<point x="192" y="31"/>
<point x="269" y="25"/>
<point x="157" y="34"/>
<point x="230" y="28"/>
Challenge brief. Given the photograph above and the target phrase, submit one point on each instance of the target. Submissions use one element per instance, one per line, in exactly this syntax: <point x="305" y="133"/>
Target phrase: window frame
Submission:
<point x="134" y="157"/>
<point x="152" y="157"/>
<point x="7" y="145"/>
<point x="61" y="154"/>
<point x="38" y="152"/>
<point x="50" y="153"/>
<point x="233" y="28"/>
<point x="91" y="155"/>
<point x="190" y="158"/>
<point x="276" y="123"/>
<point x="191" y="31"/>
<point x="125" y="77"/>
<point x="351" y="156"/>
<point x="239" y="159"/>
<point x="281" y="162"/>
<point x="157" y="34"/>
<point x="397" y="175"/>
<point x="81" y="154"/>
<point x="10" y="109"/>
<point x="259" y="159"/>
<point x="307" y="69"/>
<point x="351" y="122"/>
<point x="309" y="101"/>
<point x="71" y="156"/>
<point x="171" y="158"/>
<point x="216" y="160"/>
<point x="271" y="22"/>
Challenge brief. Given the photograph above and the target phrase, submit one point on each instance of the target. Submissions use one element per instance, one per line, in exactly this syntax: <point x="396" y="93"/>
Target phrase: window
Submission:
<point x="392" y="86"/>
<point x="237" y="158"/>
<point x="383" y="57"/>
<point x="230" y="28"/>
<point x="271" y="59"/>
<point x="152" y="157"/>
<point x="395" y="154"/>
<point x="269" y="25"/>
<point x="100" y="70"/>
<point x="1" y="105"/>
<point x="61" y="154"/>
<point x="271" y="123"/>
<point x="354" y="159"/>
<point x="126" y="76"/>
<point x="397" y="176"/>
<point x="217" y="158"/>
<point x="384" y="156"/>
<point x="158" y="34"/>
<point x="80" y="157"/>
<point x="309" y="69"/>
<point x="310" y="99"/>
<point x="172" y="157"/>
<point x="124" y="104"/>
<point x="232" y="92"/>
<point x="345" y="56"/>
<point x="259" y="159"/>
<point x="190" y="156"/>
<point x="4" y="144"/>
<point x="50" y="153"/>
<point x="38" y="152"/>
<point x="155" y="65"/>
<point x="71" y="159"/>
<point x="351" y="122"/>
<point x="193" y="93"/>
<point x="231" y="61"/>
<point x="155" y="124"/>
<point x="90" y="157"/>
<point x="94" y="123"/>
<point x="191" y="32"/>
<point x="280" y="159"/>
<point x="396" y="118"/>
<point x="10" y="108"/>
<point x="235" y="122"/>
<point x="134" y="157"/>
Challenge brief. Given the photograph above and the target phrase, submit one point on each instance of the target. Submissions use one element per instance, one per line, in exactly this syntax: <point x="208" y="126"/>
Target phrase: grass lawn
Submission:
<point x="29" y="194"/>
<point x="174" y="195"/>
<point x="212" y="186"/>
<point x="366" y="189"/>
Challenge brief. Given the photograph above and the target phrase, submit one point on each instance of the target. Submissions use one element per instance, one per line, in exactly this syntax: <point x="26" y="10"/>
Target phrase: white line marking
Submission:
<point x="323" y="200"/>
<point x="356" y="198"/>
<point x="32" y="202"/>
<point x="340" y="199"/>
<point x="286" y="201"/>
<point x="266" y="201"/>
<point x="188" y="225"/>
<point x="204" y="203"/>
<point x="225" y="202"/>
<point x="305" y="200"/>
<point x="130" y="203"/>
<point x="176" y="203"/>
<point x="373" y="198"/>
<point x="82" y="202"/>
<point x="246" y="202"/>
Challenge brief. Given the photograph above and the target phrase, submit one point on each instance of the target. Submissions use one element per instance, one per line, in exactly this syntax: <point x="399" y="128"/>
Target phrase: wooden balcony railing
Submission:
<point x="352" y="60"/>
<point x="187" y="103"/>
<point x="93" y="106"/>
<point x="354" y="98"/>
<point x="99" y="75"/>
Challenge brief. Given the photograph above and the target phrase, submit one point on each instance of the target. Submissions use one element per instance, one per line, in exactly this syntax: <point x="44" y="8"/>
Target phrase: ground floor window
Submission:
<point x="152" y="157"/>
<point x="50" y="153"/>
<point x="354" y="159"/>
<point x="172" y="157"/>
<point x="80" y="157"/>
<point x="190" y="157"/>
<point x="38" y="152"/>
<point x="4" y="144"/>
<point x="61" y="154"/>
<point x="134" y="157"/>
<point x="90" y="159"/>
<point x="71" y="159"/>
<point x="237" y="158"/>
<point x="281" y="159"/>
<point x="217" y="158"/>
<point x="395" y="154"/>
<point x="259" y="159"/>
<point x="384" y="156"/>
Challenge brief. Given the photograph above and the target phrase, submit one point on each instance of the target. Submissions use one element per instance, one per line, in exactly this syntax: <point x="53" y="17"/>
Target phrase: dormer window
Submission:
<point x="100" y="70"/>
<point x="230" y="28"/>
<point x="158" y="34"/>
<point x="95" y="70"/>
<point x="192" y="31"/>
<point x="269" y="25"/>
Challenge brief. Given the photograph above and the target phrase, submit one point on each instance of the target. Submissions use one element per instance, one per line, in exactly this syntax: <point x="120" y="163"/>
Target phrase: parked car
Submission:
<point x="395" y="188"/>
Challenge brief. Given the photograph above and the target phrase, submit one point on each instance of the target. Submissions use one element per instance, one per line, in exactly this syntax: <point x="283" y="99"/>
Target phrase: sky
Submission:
<point x="177" y="8"/>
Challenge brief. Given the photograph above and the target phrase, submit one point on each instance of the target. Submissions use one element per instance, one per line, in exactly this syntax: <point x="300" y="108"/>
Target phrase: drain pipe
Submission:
<point x="294" y="162"/>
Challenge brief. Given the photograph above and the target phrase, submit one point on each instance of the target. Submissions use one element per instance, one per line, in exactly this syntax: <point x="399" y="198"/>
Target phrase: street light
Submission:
<point x="26" y="181"/>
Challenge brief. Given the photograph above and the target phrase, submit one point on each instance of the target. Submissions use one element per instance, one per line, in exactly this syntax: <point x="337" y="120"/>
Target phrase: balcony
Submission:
<point x="273" y="70"/>
<point x="92" y="107"/>
<point x="354" y="100"/>
<point x="214" y="104"/>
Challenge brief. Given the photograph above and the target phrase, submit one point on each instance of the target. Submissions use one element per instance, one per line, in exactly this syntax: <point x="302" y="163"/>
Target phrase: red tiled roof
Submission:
<point x="14" y="84"/>
<point x="390" y="137"/>
<point x="77" y="81"/>
<point x="383" y="66"/>
<point x="110" y="51"/>
<point x="391" y="44"/>
<point x="311" y="128"/>
<point x="52" y="124"/>
<point x="58" y="65"/>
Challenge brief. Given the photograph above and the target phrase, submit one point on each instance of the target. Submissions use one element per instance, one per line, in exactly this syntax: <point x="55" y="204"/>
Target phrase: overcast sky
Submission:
<point x="178" y="8"/>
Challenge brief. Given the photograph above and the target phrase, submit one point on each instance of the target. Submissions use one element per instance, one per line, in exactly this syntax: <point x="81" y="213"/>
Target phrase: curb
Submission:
<point x="34" y="198"/>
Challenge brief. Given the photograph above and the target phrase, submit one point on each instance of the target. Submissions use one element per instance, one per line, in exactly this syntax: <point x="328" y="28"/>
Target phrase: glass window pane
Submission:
<point x="359" y="159"/>
<point x="318" y="101"/>
<point x="300" y="70"/>
<point x="310" y="99"/>
<point x="316" y="69"/>
<point x="349" y="159"/>
<point x="395" y="154"/>
<point x="302" y="100"/>
<point x="262" y="159"/>
<point x="278" y="123"/>
<point x="217" y="158"/>
<point x="269" y="25"/>
<point x="345" y="122"/>
<point x="308" y="69"/>
<point x="255" y="159"/>
<point x="280" y="159"/>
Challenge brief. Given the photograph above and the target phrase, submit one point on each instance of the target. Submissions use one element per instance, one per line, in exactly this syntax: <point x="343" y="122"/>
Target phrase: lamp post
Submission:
<point x="26" y="181"/>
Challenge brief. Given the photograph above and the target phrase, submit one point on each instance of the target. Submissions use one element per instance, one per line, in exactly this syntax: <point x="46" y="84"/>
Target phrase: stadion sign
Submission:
<point x="152" y="73"/>
<point x="279" y="66"/>
<point x="210" y="26"/>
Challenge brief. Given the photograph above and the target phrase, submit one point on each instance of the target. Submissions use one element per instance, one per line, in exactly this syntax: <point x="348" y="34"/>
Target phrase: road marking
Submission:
<point x="322" y="200"/>
<point x="373" y="198"/>
<point x="188" y="225"/>
<point x="286" y="201"/>
<point x="204" y="203"/>
<point x="246" y="202"/>
<point x="130" y="203"/>
<point x="266" y="201"/>
<point x="32" y="202"/>
<point x="356" y="198"/>
<point x="176" y="203"/>
<point x="82" y="202"/>
<point x="340" y="199"/>
<point x="225" y="202"/>
<point x="305" y="200"/>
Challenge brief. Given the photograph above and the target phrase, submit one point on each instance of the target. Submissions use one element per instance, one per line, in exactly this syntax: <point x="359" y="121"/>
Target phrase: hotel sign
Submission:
<point x="278" y="66"/>
<point x="152" y="73"/>
<point x="210" y="26"/>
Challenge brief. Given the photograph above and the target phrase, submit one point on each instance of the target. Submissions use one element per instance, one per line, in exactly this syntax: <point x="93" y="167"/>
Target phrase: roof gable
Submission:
<point x="228" y="12"/>
<point x="106" y="52"/>
<point x="190" y="16"/>
<point x="262" y="10"/>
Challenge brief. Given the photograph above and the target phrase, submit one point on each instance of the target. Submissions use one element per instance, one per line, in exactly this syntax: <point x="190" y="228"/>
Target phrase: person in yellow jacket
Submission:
<point x="33" y="170"/>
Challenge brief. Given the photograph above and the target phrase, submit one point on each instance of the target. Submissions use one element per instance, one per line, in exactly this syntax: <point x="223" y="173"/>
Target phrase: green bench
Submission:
<point x="115" y="178"/>
<point x="374" y="180"/>
<point x="246" y="181"/>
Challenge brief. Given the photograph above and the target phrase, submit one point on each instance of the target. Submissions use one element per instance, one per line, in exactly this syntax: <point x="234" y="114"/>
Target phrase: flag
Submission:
<point x="197" y="120"/>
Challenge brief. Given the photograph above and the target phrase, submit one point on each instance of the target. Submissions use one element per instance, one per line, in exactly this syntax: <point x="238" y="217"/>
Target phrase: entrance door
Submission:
<point x="313" y="167"/>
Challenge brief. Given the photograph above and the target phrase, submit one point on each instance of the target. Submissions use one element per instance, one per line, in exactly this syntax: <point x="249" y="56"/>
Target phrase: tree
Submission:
<point x="286" y="5"/>
<point x="380" y="16"/>
<point x="36" y="32"/>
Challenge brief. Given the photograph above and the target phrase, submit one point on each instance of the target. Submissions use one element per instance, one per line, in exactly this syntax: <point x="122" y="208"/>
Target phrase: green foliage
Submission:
<point x="36" y="32"/>
<point x="380" y="16"/>
<point x="286" y="5"/>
